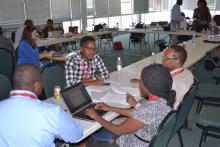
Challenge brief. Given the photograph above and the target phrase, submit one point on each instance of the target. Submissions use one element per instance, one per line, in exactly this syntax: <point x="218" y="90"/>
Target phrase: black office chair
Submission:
<point x="209" y="121"/>
<point x="53" y="74"/>
<point x="7" y="62"/>
<point x="183" y="111"/>
<point x="137" y="37"/>
<point x="162" y="138"/>
<point x="5" y="87"/>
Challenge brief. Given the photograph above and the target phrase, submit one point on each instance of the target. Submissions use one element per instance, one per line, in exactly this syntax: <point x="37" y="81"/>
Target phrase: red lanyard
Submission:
<point x="152" y="98"/>
<point x="177" y="71"/>
<point x="24" y="95"/>
<point x="85" y="73"/>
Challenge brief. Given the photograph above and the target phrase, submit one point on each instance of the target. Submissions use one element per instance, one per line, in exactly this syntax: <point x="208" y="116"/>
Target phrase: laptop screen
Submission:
<point x="76" y="97"/>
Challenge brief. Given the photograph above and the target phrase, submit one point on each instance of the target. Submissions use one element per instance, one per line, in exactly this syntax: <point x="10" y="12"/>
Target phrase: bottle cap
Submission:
<point x="119" y="58"/>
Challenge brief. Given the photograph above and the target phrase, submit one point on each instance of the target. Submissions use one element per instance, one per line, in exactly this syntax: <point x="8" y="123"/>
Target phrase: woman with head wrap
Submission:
<point x="145" y="118"/>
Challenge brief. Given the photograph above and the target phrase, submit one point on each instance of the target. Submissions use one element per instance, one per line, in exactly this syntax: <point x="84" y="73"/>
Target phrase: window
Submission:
<point x="66" y="25"/>
<point x="90" y="24"/>
<point x="101" y="20"/>
<point x="155" y="5"/>
<point x="90" y="8"/>
<point x="126" y="21"/>
<point x="113" y="21"/>
<point x="126" y="6"/>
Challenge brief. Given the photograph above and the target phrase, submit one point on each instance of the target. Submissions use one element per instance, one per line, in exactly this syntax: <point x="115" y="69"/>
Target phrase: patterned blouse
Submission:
<point x="151" y="113"/>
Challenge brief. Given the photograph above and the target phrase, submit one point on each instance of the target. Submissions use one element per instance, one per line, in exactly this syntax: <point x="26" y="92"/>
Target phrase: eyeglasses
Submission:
<point x="169" y="58"/>
<point x="90" y="49"/>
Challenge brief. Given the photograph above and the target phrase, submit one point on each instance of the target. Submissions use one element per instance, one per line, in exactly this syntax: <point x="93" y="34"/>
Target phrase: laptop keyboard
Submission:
<point x="81" y="114"/>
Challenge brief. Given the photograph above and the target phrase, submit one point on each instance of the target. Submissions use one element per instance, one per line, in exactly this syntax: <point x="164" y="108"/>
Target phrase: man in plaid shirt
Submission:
<point x="86" y="65"/>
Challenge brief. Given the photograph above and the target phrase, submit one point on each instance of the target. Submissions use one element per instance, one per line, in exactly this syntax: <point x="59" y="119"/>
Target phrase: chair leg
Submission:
<point x="201" y="139"/>
<point x="180" y="138"/>
<point x="198" y="106"/>
<point x="206" y="131"/>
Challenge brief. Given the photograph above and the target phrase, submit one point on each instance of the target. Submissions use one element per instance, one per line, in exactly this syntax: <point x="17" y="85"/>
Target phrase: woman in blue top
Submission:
<point x="28" y="51"/>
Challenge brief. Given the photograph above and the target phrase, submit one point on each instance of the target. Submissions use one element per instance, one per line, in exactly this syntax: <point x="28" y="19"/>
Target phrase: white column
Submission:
<point x="83" y="14"/>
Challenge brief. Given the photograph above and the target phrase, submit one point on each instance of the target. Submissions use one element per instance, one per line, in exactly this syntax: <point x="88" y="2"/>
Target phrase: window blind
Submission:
<point x="76" y="5"/>
<point x="114" y="7"/>
<point x="61" y="9"/>
<point x="12" y="12"/>
<point x="141" y="6"/>
<point x="38" y="10"/>
<point x="101" y="8"/>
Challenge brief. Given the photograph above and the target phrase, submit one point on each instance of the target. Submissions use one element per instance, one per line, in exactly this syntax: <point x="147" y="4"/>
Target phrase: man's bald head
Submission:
<point x="26" y="77"/>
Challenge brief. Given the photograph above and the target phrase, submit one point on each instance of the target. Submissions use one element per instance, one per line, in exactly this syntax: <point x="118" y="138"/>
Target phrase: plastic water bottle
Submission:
<point x="119" y="65"/>
<point x="194" y="40"/>
<point x="152" y="58"/>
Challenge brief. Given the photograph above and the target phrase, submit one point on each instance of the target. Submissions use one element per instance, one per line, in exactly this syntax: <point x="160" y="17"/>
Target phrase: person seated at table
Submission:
<point x="48" y="28"/>
<point x="19" y="31"/>
<point x="86" y="66"/>
<point x="26" y="121"/>
<point x="143" y="120"/>
<point x="174" y="58"/>
<point x="202" y="14"/>
<point x="5" y="42"/>
<point x="28" y="51"/>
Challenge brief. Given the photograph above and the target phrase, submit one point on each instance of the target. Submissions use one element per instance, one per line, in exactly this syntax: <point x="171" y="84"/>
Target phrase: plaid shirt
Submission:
<point x="78" y="69"/>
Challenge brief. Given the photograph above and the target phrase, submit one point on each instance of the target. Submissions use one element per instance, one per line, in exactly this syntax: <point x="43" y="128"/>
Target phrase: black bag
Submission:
<point x="162" y="44"/>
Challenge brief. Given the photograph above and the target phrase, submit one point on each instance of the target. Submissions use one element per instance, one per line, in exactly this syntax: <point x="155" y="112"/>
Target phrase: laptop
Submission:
<point x="55" y="34"/>
<point x="78" y="100"/>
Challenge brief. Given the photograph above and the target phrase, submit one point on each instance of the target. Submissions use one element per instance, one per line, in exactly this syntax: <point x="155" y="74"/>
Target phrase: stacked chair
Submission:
<point x="208" y="95"/>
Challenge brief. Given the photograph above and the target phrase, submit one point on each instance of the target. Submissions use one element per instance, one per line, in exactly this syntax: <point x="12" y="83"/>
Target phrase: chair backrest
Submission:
<point x="161" y="139"/>
<point x="53" y="74"/>
<point x="7" y="62"/>
<point x="139" y="25"/>
<point x="184" y="108"/>
<point x="5" y="87"/>
<point x="216" y="75"/>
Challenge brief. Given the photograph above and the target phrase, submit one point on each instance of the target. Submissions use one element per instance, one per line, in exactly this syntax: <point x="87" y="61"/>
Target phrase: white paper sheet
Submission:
<point x="125" y="90"/>
<point x="114" y="98"/>
<point x="97" y="88"/>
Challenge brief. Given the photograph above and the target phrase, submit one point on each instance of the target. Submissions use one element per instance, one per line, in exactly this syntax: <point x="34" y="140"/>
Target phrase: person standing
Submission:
<point x="202" y="14"/>
<point x="176" y="18"/>
<point x="28" y="122"/>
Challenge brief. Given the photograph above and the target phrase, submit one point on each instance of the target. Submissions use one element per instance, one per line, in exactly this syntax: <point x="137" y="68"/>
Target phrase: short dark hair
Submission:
<point x="181" y="53"/>
<point x="1" y="32"/>
<point x="202" y="1"/>
<point x="85" y="40"/>
<point x="28" y="30"/>
<point x="26" y="75"/>
<point x="216" y="18"/>
<point x="50" y="20"/>
<point x="29" y="22"/>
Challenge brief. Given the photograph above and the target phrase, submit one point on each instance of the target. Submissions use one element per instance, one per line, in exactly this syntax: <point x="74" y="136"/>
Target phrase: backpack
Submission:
<point x="117" y="45"/>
